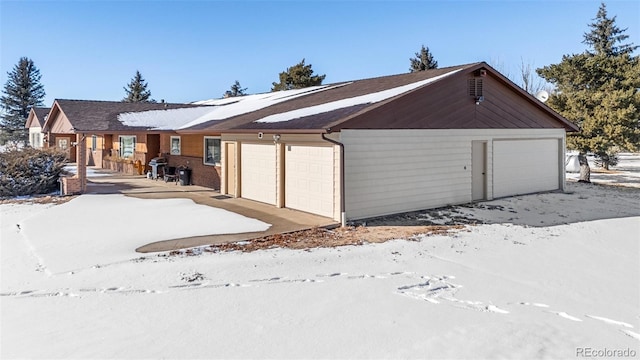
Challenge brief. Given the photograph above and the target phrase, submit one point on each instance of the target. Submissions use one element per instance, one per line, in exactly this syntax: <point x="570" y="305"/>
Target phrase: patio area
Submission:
<point x="282" y="220"/>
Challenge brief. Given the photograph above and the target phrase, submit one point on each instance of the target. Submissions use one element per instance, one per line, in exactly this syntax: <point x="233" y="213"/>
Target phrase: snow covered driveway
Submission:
<point x="498" y="290"/>
<point x="96" y="230"/>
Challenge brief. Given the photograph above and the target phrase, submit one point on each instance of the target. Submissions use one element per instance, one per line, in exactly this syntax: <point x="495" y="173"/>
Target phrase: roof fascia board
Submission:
<point x="30" y="118"/>
<point x="52" y="114"/>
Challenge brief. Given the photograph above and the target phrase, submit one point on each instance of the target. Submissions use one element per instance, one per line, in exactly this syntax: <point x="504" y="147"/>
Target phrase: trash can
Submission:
<point x="185" y="176"/>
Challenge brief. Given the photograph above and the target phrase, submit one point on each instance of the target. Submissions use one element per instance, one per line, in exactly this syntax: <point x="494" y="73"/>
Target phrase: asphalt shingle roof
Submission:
<point x="91" y="115"/>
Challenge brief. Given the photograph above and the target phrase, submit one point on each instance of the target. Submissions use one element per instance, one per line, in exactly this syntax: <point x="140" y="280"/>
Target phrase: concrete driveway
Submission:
<point x="281" y="220"/>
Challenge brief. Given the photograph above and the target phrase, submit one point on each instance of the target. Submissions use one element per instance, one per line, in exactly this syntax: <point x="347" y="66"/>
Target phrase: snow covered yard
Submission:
<point x="544" y="276"/>
<point x="626" y="173"/>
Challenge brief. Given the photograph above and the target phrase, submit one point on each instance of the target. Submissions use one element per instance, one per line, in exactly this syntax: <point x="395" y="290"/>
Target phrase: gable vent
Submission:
<point x="475" y="87"/>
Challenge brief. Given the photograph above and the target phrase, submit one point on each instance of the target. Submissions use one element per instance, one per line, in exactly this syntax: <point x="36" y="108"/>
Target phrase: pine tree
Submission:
<point x="137" y="90"/>
<point x="297" y="77"/>
<point x="605" y="35"/>
<point x="236" y="90"/>
<point x="423" y="61"/>
<point x="22" y="91"/>
<point x="597" y="90"/>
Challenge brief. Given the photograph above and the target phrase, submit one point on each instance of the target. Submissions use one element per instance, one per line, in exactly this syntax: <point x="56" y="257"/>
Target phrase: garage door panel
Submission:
<point x="525" y="166"/>
<point x="258" y="172"/>
<point x="309" y="179"/>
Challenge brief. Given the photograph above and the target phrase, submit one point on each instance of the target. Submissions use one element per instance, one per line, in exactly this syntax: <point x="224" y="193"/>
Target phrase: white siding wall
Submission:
<point x="32" y="135"/>
<point x="392" y="171"/>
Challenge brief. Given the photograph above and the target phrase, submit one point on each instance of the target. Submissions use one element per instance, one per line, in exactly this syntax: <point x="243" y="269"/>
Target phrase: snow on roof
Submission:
<point x="221" y="109"/>
<point x="213" y="109"/>
<point x="229" y="107"/>
<point x="168" y="119"/>
<point x="344" y="103"/>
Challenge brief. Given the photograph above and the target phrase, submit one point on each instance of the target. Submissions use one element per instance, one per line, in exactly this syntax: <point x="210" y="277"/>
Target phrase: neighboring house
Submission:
<point x="394" y="144"/>
<point x="35" y="121"/>
<point x="96" y="123"/>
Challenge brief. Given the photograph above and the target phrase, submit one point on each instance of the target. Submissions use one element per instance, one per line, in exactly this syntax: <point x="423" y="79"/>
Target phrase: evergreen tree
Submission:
<point x="423" y="61"/>
<point x="21" y="92"/>
<point x="597" y="90"/>
<point x="236" y="90"/>
<point x="137" y="90"/>
<point x="297" y="77"/>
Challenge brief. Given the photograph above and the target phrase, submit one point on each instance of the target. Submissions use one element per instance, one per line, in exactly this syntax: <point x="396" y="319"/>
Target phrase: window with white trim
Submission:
<point x="175" y="145"/>
<point x="211" y="150"/>
<point x="94" y="142"/>
<point x="127" y="146"/>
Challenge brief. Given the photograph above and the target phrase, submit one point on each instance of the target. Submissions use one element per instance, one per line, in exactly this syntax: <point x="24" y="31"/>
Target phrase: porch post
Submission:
<point x="81" y="160"/>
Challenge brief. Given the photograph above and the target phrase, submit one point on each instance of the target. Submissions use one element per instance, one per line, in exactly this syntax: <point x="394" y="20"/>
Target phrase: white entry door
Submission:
<point x="478" y="170"/>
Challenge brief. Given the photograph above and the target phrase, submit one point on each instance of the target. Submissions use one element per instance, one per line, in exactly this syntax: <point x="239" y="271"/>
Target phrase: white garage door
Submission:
<point x="525" y="166"/>
<point x="258" y="172"/>
<point x="309" y="179"/>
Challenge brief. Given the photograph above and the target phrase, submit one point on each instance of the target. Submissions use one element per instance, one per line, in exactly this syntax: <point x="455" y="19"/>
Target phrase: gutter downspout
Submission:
<point x="343" y="217"/>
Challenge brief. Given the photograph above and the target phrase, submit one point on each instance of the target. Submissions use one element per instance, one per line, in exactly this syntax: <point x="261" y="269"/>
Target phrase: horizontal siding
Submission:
<point x="392" y="174"/>
<point x="393" y="171"/>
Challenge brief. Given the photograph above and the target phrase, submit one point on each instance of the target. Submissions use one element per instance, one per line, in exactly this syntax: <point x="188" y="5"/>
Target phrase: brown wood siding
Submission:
<point x="192" y="145"/>
<point x="449" y="106"/>
<point x="501" y="102"/>
<point x="59" y="124"/>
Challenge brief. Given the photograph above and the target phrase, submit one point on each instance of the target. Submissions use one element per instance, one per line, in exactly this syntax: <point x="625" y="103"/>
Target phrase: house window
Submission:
<point x="175" y="145"/>
<point x="94" y="142"/>
<point x="36" y="140"/>
<point x="211" y="150"/>
<point x="127" y="146"/>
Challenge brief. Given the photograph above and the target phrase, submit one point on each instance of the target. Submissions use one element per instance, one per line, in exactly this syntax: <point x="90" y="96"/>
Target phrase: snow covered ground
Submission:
<point x="626" y="173"/>
<point x="547" y="276"/>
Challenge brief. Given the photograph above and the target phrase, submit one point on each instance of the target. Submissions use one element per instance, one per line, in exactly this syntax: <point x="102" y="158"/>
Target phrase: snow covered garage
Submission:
<point x="397" y="143"/>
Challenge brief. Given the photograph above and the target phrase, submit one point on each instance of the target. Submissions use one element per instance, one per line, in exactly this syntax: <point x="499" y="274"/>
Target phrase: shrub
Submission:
<point x="605" y="160"/>
<point x="30" y="171"/>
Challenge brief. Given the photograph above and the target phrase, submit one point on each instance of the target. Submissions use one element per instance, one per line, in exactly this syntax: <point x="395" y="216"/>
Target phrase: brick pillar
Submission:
<point x="81" y="160"/>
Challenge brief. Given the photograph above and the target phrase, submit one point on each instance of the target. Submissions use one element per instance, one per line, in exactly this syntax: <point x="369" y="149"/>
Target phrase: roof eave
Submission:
<point x="274" y="131"/>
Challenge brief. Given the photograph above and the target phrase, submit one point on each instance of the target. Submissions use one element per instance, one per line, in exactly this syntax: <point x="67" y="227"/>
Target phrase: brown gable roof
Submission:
<point x="442" y="104"/>
<point x="91" y="115"/>
<point x="41" y="114"/>
<point x="320" y="121"/>
<point x="37" y="114"/>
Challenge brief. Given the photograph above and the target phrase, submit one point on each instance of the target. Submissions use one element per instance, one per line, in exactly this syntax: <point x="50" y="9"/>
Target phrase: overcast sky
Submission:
<point x="193" y="50"/>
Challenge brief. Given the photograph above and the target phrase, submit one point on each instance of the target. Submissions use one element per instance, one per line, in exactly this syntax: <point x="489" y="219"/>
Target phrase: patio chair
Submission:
<point x="171" y="174"/>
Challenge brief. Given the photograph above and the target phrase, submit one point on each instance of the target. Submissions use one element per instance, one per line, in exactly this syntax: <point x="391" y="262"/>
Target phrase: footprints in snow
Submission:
<point x="432" y="289"/>
<point x="437" y="289"/>
<point x="565" y="315"/>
